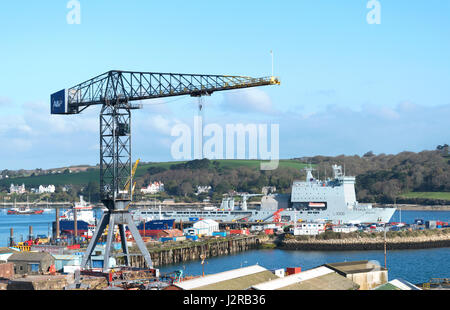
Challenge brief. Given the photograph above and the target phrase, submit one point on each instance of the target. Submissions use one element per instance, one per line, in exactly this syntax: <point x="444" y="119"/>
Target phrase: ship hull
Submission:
<point x="372" y="215"/>
<point x="25" y="212"/>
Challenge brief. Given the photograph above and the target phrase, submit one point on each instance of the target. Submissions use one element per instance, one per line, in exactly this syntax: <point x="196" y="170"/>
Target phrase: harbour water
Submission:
<point x="413" y="265"/>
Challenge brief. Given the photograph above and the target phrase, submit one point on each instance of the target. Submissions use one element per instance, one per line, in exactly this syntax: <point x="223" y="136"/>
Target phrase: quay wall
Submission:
<point x="189" y="251"/>
<point x="173" y="253"/>
<point x="361" y="244"/>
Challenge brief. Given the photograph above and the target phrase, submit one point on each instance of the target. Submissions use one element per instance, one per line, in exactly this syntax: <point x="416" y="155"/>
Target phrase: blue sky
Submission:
<point x="347" y="86"/>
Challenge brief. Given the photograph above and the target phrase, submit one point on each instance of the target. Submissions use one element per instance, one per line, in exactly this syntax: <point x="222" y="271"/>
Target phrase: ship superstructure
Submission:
<point x="334" y="200"/>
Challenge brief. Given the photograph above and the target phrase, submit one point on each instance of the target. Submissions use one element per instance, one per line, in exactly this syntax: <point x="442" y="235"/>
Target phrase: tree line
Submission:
<point x="383" y="178"/>
<point x="380" y="178"/>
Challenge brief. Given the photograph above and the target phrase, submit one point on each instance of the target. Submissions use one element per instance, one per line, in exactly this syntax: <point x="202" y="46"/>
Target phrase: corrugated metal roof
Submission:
<point x="355" y="267"/>
<point x="205" y="223"/>
<point x="330" y="281"/>
<point x="293" y="279"/>
<point x="29" y="256"/>
<point x="6" y="250"/>
<point x="241" y="283"/>
<point x="387" y="287"/>
<point x="209" y="280"/>
<point x="397" y="284"/>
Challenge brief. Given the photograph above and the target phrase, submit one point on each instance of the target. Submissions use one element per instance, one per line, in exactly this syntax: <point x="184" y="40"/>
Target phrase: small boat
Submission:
<point x="47" y="210"/>
<point x="23" y="210"/>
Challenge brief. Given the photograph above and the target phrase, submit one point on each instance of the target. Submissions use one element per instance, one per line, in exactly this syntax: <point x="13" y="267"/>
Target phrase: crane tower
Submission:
<point x="115" y="91"/>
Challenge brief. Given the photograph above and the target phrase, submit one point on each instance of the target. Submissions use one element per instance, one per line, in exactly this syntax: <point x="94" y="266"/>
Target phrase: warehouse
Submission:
<point x="366" y="274"/>
<point x="237" y="279"/>
<point x="320" y="278"/>
<point x="31" y="262"/>
<point x="62" y="261"/>
<point x="204" y="227"/>
<point x="5" y="253"/>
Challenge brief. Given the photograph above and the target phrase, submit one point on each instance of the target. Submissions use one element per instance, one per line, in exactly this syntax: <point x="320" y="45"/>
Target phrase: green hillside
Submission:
<point x="84" y="177"/>
<point x="427" y="195"/>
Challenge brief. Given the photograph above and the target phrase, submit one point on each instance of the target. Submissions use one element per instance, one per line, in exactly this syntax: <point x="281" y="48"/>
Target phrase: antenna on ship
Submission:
<point x="385" y="248"/>
<point x="271" y="53"/>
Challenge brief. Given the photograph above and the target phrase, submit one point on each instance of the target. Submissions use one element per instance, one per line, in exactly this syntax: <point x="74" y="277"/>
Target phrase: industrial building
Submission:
<point x="320" y="278"/>
<point x="398" y="285"/>
<point x="66" y="263"/>
<point x="358" y="275"/>
<point x="6" y="270"/>
<point x="31" y="262"/>
<point x="5" y="253"/>
<point x="366" y="274"/>
<point x="204" y="227"/>
<point x="309" y="229"/>
<point x="237" y="279"/>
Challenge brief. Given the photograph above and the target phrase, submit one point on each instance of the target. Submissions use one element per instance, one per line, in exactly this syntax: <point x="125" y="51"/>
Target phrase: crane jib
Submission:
<point x="124" y="86"/>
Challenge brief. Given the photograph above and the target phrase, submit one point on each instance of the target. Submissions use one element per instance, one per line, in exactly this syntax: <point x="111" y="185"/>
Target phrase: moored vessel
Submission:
<point x="332" y="200"/>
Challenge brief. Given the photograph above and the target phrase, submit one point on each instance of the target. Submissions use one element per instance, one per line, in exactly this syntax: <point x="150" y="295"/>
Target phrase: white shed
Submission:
<point x="205" y="227"/>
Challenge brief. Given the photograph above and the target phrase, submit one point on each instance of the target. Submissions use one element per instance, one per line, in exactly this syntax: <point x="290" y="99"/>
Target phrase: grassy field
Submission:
<point x="93" y="175"/>
<point x="428" y="195"/>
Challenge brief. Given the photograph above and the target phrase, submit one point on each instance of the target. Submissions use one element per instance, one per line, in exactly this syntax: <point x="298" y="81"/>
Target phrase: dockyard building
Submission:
<point x="31" y="262"/>
<point x="236" y="279"/>
<point x="398" y="285"/>
<point x="321" y="278"/>
<point x="367" y="274"/>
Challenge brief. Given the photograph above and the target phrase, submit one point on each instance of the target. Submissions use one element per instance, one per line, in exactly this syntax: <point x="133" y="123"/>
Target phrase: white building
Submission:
<point x="309" y="229"/>
<point x="19" y="189"/>
<point x="48" y="189"/>
<point x="203" y="189"/>
<point x="153" y="188"/>
<point x="203" y="227"/>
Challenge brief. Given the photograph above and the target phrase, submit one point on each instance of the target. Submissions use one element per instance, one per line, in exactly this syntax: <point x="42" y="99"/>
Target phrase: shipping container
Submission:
<point x="293" y="270"/>
<point x="220" y="233"/>
<point x="239" y="232"/>
<point x="164" y="239"/>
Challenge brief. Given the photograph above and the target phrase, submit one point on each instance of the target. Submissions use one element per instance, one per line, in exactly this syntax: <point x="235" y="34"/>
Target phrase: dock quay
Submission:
<point x="177" y="252"/>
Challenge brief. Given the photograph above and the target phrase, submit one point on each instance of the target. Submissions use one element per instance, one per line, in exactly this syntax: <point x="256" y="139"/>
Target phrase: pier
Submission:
<point x="178" y="252"/>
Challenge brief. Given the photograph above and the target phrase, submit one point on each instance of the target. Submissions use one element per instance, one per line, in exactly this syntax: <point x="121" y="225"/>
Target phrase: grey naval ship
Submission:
<point x="312" y="200"/>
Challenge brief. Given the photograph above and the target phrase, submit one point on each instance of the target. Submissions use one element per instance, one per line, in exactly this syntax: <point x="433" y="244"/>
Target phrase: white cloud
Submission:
<point x="38" y="139"/>
<point x="337" y="130"/>
<point x="4" y="101"/>
<point x="248" y="100"/>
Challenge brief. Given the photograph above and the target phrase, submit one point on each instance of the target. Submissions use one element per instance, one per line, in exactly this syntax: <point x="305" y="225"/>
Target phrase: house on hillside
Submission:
<point x="19" y="189"/>
<point x="46" y="189"/>
<point x="153" y="188"/>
